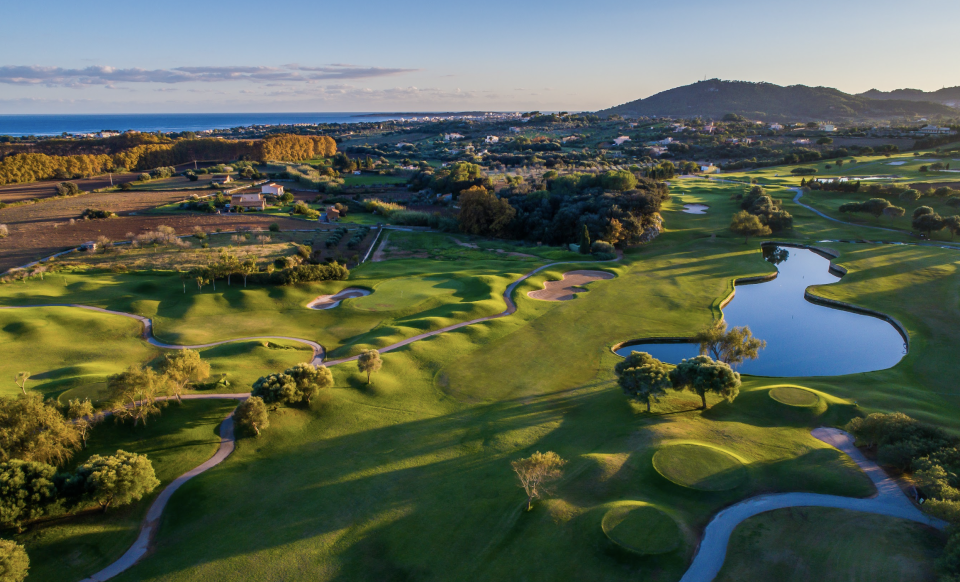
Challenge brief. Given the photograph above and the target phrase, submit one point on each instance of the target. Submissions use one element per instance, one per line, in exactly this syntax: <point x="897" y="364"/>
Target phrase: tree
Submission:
<point x="702" y="374"/>
<point x="952" y="223"/>
<point x="14" y="562"/>
<point x="927" y="223"/>
<point x="135" y="392"/>
<point x="873" y="206"/>
<point x="34" y="430"/>
<point x="27" y="492"/>
<point x="275" y="388"/>
<point x="537" y="472"/>
<point x="748" y="225"/>
<point x="117" y="479"/>
<point x="251" y="416"/>
<point x="369" y="362"/>
<point x="183" y="367"/>
<point x="585" y="240"/>
<point x="647" y="383"/>
<point x="21" y="380"/>
<point x="481" y="212"/>
<point x="730" y="347"/>
<point x="300" y="383"/>
<point x="83" y="417"/>
<point x="634" y="360"/>
<point x="247" y="268"/>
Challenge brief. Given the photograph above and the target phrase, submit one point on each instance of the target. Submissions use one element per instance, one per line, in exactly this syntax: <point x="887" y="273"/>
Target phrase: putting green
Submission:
<point x="699" y="467"/>
<point x="641" y="528"/>
<point x="794" y="396"/>
<point x="406" y="293"/>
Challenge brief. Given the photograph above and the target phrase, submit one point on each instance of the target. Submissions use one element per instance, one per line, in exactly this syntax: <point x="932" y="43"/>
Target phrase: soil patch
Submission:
<point x="331" y="301"/>
<point x="565" y="289"/>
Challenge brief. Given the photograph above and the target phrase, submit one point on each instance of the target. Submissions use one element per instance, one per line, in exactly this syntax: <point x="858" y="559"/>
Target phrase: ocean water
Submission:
<point x="20" y="125"/>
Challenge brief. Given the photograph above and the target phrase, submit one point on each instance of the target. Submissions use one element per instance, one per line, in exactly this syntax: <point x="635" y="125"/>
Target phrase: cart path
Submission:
<point x="890" y="500"/>
<point x="319" y="353"/>
<point x="152" y="520"/>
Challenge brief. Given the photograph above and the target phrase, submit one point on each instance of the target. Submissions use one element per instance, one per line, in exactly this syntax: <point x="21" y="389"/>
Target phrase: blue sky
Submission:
<point x="291" y="55"/>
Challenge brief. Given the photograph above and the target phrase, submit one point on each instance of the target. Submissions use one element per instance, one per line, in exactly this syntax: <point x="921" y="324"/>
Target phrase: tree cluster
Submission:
<point x="645" y="379"/>
<point x="299" y="384"/>
<point x="758" y="203"/>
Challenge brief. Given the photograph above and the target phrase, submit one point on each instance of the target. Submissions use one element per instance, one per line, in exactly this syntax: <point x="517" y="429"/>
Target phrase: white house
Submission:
<point x="776" y="126"/>
<point x="452" y="137"/>
<point x="108" y="134"/>
<point x="665" y="141"/>
<point x="491" y="139"/>
<point x="248" y="201"/>
<point x="827" y="127"/>
<point x="709" y="168"/>
<point x="801" y="141"/>
<point x="621" y="140"/>
<point x="710" y="128"/>
<point x="272" y="188"/>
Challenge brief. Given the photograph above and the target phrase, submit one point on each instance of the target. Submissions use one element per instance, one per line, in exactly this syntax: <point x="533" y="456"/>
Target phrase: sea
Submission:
<point x="26" y="125"/>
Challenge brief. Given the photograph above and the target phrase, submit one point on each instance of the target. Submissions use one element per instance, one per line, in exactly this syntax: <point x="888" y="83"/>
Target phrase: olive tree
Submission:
<point x="701" y="375"/>
<point x="747" y="225"/>
<point x="27" y="491"/>
<point x="729" y="346"/>
<point x="301" y="383"/>
<point x="183" y="367"/>
<point x="134" y="393"/>
<point x="634" y="360"/>
<point x="647" y="383"/>
<point x="369" y="362"/>
<point x="14" y="562"/>
<point x="21" y="380"/>
<point x="115" y="480"/>
<point x="251" y="416"/>
<point x="537" y="472"/>
<point x="83" y="416"/>
<point x="34" y="430"/>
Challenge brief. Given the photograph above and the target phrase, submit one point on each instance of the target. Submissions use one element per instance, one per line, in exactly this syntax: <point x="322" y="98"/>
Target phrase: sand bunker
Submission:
<point x="331" y="301"/>
<point x="695" y="208"/>
<point x="570" y="285"/>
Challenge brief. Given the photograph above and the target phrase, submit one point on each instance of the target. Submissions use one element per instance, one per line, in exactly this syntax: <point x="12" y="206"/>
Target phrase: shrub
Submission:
<point x="92" y="214"/>
<point x="301" y="383"/>
<point x="14" y="562"/>
<point x="144" y="177"/>
<point x="803" y="171"/>
<point x="67" y="189"/>
<point x="909" y="196"/>
<point x="274" y="227"/>
<point x="4" y="231"/>
<point x="126" y="186"/>
<point x="600" y="246"/>
<point x="251" y="416"/>
<point x="953" y="202"/>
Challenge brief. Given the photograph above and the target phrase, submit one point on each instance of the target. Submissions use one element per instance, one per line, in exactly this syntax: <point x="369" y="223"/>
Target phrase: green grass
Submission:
<point x="642" y="529"/>
<point x="814" y="544"/>
<point x="794" y="396"/>
<point x="371" y="179"/>
<point x="180" y="439"/>
<point x="699" y="466"/>
<point x="409" y="477"/>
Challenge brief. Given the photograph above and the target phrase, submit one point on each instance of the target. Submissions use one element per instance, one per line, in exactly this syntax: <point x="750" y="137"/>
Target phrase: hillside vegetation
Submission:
<point x="715" y="98"/>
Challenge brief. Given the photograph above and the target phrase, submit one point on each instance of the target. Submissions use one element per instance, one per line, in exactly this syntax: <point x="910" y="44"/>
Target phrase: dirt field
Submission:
<point x="40" y="230"/>
<point x="570" y="285"/>
<point x="48" y="188"/>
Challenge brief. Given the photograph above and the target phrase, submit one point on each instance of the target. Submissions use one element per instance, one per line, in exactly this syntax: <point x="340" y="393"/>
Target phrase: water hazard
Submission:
<point x="803" y="338"/>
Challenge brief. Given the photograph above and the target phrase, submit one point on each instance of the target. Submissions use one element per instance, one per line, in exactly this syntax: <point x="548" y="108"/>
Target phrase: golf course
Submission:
<point x="491" y="352"/>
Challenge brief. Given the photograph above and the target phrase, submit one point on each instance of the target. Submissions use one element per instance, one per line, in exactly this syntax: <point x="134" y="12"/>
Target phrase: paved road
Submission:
<point x="889" y="500"/>
<point x="152" y="520"/>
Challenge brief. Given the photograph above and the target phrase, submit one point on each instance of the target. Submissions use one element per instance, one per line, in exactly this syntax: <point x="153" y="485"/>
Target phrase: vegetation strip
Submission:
<point x="889" y="500"/>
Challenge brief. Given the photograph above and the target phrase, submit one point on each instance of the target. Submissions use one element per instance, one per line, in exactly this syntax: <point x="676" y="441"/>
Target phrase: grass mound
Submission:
<point x="699" y="467"/>
<point x="795" y="396"/>
<point x="642" y="529"/>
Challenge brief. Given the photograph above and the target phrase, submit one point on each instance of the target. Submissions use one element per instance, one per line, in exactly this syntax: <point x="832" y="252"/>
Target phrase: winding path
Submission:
<point x="889" y="500"/>
<point x="150" y="523"/>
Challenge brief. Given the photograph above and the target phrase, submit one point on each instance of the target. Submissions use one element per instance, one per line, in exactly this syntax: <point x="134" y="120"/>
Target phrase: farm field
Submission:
<point x="335" y="490"/>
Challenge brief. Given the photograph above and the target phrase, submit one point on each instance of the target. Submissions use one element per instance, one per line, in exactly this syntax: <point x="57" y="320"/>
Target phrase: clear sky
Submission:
<point x="105" y="56"/>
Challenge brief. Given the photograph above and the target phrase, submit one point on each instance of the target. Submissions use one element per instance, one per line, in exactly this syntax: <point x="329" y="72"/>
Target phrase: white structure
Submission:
<point x="514" y="130"/>
<point x="665" y="141"/>
<point x="356" y="172"/>
<point x="404" y="144"/>
<point x="827" y="127"/>
<point x="656" y="150"/>
<point x="621" y="140"/>
<point x="708" y="169"/>
<point x="710" y="128"/>
<point x="776" y="126"/>
<point x="108" y="134"/>
<point x="272" y="188"/>
<point x="801" y="141"/>
<point x="934" y="130"/>
<point x="452" y="137"/>
<point x="491" y="139"/>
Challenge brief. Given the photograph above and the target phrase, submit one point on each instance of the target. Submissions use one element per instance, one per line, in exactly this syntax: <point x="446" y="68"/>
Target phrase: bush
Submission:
<point x="909" y="196"/>
<point x="274" y="227"/>
<point x="91" y="214"/>
<point x="803" y="171"/>
<point x="600" y="246"/>
<point x="67" y="189"/>
<point x="144" y="177"/>
<point x="192" y="177"/>
<point x="953" y="202"/>
<point x="251" y="416"/>
<point x="4" y="231"/>
<point x="14" y="562"/>
<point x="126" y="186"/>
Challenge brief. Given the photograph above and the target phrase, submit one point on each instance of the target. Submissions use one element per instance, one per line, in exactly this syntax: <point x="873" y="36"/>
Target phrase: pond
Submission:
<point x="803" y="338"/>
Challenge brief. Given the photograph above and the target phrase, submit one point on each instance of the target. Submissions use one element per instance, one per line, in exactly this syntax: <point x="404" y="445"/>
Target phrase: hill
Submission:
<point x="715" y="98"/>
<point x="949" y="96"/>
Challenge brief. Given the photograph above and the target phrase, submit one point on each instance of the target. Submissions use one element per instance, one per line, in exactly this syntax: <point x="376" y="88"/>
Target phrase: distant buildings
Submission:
<point x="664" y="141"/>
<point x="621" y="140"/>
<point x="221" y="178"/>
<point x="710" y="128"/>
<point x="801" y="141"/>
<point x="272" y="188"/>
<point x="827" y="127"/>
<point x="491" y="139"/>
<point x="776" y="126"/>
<point x="332" y="214"/>
<point x="108" y="134"/>
<point x="452" y="136"/>
<point x="248" y="201"/>
<point x="934" y="130"/>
